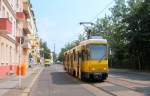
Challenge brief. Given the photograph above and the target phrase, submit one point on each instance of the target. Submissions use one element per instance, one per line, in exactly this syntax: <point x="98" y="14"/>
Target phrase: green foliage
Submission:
<point x="45" y="50"/>
<point x="61" y="54"/>
<point x="69" y="46"/>
<point x="127" y="30"/>
<point x="138" y="32"/>
<point x="113" y="28"/>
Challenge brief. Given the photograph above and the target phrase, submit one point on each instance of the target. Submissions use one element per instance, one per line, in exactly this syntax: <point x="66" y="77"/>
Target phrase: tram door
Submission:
<point x="79" y="65"/>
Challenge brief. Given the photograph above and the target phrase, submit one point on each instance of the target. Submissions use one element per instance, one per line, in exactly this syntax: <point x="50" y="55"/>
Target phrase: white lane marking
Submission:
<point x="27" y="90"/>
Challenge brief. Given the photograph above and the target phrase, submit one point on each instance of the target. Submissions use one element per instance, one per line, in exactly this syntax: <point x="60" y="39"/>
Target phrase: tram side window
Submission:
<point x="84" y="55"/>
<point x="67" y="58"/>
<point x="76" y="57"/>
<point x="80" y="55"/>
<point x="83" y="58"/>
<point x="71" y="58"/>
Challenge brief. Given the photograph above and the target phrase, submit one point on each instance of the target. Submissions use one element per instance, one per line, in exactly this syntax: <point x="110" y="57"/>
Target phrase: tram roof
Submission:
<point x="90" y="41"/>
<point x="85" y="42"/>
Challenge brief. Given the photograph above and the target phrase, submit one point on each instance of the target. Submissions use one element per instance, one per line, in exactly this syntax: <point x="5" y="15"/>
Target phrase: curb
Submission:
<point x="131" y="71"/>
<point x="26" y="91"/>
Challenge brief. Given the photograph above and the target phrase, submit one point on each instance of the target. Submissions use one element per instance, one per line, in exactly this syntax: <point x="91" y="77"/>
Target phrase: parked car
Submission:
<point x="58" y="62"/>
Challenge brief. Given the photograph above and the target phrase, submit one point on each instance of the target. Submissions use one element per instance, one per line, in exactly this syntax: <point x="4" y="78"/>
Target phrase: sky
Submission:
<point x="58" y="20"/>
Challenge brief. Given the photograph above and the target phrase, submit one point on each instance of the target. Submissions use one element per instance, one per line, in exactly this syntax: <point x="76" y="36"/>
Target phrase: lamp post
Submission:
<point x="19" y="77"/>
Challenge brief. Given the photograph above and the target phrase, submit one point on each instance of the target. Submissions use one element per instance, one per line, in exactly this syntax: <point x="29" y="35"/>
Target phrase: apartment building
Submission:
<point x="17" y="24"/>
<point x="31" y="34"/>
<point x="8" y="51"/>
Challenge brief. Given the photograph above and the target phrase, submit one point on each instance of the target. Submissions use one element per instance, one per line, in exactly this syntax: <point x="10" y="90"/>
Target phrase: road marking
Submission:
<point x="26" y="92"/>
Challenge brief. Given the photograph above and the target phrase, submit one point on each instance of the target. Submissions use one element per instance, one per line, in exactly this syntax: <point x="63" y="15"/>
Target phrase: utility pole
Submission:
<point x="54" y="55"/>
<point x="54" y="47"/>
<point x="19" y="67"/>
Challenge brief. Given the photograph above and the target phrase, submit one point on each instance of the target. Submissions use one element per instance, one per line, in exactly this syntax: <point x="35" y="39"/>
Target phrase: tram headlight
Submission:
<point x="104" y="68"/>
<point x="93" y="69"/>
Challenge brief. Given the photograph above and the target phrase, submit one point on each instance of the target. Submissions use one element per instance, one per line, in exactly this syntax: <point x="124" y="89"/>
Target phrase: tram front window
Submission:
<point x="98" y="52"/>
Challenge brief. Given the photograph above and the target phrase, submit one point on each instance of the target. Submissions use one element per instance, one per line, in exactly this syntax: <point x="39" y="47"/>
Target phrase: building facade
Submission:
<point x="17" y="25"/>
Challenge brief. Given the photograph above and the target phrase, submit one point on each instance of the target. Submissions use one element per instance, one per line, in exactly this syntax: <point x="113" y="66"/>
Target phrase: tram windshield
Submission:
<point x="98" y="52"/>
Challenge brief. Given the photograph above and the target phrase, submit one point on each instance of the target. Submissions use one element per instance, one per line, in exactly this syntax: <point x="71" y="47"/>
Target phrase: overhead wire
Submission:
<point x="110" y="3"/>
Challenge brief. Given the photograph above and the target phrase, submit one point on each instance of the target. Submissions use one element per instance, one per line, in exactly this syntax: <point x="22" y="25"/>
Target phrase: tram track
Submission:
<point x="130" y="81"/>
<point x="121" y="86"/>
<point x="103" y="89"/>
<point x="118" y="85"/>
<point x="106" y="91"/>
<point x="129" y="85"/>
<point x="93" y="85"/>
<point x="112" y="93"/>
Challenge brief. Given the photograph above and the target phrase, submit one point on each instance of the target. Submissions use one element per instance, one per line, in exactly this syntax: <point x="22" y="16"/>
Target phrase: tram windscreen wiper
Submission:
<point x="102" y="58"/>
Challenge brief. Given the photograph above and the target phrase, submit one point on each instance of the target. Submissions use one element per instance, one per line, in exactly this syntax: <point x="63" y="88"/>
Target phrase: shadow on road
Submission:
<point x="63" y="78"/>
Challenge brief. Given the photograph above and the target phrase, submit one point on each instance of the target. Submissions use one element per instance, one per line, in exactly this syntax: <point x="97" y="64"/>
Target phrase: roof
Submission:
<point x="90" y="41"/>
<point x="85" y="42"/>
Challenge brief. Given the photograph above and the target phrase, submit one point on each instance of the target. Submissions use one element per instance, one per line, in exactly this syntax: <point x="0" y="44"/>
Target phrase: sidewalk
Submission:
<point x="9" y="85"/>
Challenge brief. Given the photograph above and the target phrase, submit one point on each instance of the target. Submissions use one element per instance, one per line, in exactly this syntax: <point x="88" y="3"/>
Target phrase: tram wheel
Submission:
<point x="104" y="77"/>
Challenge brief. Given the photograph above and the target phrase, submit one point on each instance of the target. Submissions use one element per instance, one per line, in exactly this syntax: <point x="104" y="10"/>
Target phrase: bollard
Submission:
<point x="23" y="70"/>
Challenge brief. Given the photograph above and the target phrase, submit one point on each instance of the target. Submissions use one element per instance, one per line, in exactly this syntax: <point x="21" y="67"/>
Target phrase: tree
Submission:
<point x="138" y="32"/>
<point x="128" y="33"/>
<point x="45" y="50"/>
<point x="113" y="28"/>
<point x="69" y="46"/>
<point x="61" y="54"/>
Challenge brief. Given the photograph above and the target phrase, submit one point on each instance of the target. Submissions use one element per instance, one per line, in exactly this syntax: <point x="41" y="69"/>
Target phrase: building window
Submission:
<point x="6" y="55"/>
<point x="3" y="12"/>
<point x="0" y="5"/>
<point x="7" y="15"/>
<point x="11" y="20"/>
<point x="2" y="53"/>
<point x="14" y="28"/>
<point x="10" y="55"/>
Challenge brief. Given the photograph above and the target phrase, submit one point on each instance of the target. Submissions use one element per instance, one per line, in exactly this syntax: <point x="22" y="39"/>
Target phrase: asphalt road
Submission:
<point x="54" y="81"/>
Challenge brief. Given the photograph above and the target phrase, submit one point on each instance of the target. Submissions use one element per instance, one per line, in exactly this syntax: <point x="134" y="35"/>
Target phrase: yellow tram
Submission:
<point x="88" y="60"/>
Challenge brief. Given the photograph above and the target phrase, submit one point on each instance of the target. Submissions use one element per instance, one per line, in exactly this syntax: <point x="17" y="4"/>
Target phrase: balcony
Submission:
<point x="18" y="38"/>
<point x="26" y="9"/>
<point x="20" y="16"/>
<point x="26" y="43"/>
<point x="27" y="27"/>
<point x="26" y="39"/>
<point x="5" y="26"/>
<point x="34" y="44"/>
